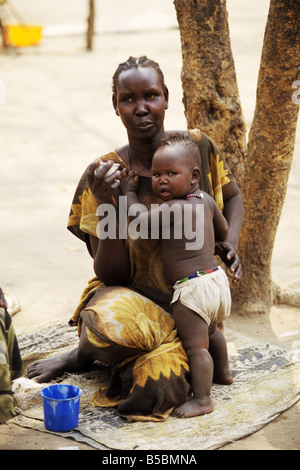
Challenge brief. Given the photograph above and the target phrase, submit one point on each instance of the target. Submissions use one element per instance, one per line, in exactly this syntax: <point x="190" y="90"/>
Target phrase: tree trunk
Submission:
<point x="270" y="152"/>
<point x="210" y="92"/>
<point x="212" y="103"/>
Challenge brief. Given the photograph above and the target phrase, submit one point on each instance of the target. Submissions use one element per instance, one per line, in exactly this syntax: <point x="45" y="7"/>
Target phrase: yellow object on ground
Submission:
<point x="22" y="35"/>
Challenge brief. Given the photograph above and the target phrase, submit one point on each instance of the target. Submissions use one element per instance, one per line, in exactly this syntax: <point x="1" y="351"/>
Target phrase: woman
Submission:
<point x="11" y="366"/>
<point x="123" y="317"/>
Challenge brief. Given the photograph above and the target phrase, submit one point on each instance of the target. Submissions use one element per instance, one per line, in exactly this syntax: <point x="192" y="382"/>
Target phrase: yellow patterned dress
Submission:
<point x="146" y="387"/>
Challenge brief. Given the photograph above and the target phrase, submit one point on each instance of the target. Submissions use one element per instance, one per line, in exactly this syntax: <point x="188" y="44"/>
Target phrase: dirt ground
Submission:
<point x="56" y="117"/>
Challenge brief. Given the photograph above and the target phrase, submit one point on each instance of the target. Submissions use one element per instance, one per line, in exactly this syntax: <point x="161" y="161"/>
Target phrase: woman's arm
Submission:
<point x="234" y="214"/>
<point x="111" y="261"/>
<point x="111" y="258"/>
<point x="220" y="223"/>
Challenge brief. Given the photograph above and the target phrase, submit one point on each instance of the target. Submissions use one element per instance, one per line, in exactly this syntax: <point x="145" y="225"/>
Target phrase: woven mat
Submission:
<point x="266" y="382"/>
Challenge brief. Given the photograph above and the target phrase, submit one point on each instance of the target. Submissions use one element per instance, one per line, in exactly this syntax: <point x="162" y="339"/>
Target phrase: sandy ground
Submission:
<point x="56" y="117"/>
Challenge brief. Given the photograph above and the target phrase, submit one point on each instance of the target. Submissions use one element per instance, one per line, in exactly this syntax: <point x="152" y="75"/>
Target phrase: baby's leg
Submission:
<point x="193" y="332"/>
<point x="218" y="351"/>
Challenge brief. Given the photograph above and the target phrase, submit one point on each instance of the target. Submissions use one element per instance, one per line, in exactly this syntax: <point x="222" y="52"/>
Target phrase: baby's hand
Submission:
<point x="129" y="181"/>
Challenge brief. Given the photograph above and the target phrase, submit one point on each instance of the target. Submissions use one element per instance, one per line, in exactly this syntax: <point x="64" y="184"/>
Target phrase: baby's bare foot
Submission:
<point x="194" y="407"/>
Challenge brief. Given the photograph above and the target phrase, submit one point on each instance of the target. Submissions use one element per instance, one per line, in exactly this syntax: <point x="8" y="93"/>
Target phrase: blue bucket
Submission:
<point x="61" y="407"/>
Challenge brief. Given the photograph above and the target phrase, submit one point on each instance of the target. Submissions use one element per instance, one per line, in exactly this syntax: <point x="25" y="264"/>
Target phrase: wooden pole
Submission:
<point x="90" y="28"/>
<point x="4" y="44"/>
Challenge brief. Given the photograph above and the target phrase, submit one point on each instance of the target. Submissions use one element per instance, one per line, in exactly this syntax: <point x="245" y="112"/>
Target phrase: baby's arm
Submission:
<point x="129" y="187"/>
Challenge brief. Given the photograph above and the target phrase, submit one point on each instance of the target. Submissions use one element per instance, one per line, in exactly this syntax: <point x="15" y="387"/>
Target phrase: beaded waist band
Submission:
<point x="196" y="274"/>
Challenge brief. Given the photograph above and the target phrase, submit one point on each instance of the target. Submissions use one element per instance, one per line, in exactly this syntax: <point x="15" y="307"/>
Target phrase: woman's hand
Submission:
<point x="103" y="187"/>
<point x="229" y="256"/>
<point x="129" y="181"/>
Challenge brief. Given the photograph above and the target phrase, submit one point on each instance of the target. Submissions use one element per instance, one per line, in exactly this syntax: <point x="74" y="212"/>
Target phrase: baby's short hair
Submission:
<point x="190" y="146"/>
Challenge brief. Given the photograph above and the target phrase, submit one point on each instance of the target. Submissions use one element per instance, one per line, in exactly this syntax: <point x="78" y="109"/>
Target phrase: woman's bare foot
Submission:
<point x="48" y="369"/>
<point x="78" y="359"/>
<point x="194" y="407"/>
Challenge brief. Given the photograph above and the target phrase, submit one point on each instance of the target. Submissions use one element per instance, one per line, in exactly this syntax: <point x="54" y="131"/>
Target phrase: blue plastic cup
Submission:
<point x="61" y="407"/>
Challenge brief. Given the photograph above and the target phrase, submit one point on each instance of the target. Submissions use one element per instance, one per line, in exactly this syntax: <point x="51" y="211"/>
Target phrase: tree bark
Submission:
<point x="270" y="151"/>
<point x="210" y="92"/>
<point x="211" y="101"/>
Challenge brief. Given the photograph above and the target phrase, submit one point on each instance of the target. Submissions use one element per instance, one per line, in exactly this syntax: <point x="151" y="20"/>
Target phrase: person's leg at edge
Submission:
<point x="193" y="332"/>
<point x="78" y="359"/>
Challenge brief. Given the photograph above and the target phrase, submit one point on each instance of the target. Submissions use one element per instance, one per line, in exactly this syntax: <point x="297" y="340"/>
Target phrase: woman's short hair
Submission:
<point x="135" y="62"/>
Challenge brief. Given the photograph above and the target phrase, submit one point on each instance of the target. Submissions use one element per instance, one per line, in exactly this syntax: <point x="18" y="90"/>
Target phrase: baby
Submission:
<point x="201" y="297"/>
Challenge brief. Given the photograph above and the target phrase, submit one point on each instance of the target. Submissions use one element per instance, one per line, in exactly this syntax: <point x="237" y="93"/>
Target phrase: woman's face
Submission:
<point x="140" y="101"/>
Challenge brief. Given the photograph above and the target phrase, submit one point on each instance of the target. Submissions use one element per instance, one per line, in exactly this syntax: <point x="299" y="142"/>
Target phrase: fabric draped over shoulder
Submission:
<point x="214" y="172"/>
<point x="149" y="386"/>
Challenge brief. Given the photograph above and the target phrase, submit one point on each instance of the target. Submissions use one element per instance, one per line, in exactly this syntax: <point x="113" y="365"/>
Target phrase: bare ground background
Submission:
<point x="58" y="117"/>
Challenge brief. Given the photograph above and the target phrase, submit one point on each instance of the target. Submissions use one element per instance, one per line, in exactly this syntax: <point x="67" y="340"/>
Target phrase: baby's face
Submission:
<point x="171" y="173"/>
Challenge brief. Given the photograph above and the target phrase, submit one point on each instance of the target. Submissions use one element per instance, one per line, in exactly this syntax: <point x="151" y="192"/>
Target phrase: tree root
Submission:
<point x="279" y="295"/>
<point x="286" y="295"/>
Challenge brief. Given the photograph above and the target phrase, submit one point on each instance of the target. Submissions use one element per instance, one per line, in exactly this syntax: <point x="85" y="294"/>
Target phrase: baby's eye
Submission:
<point x="127" y="99"/>
<point x="171" y="173"/>
<point x="151" y="96"/>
